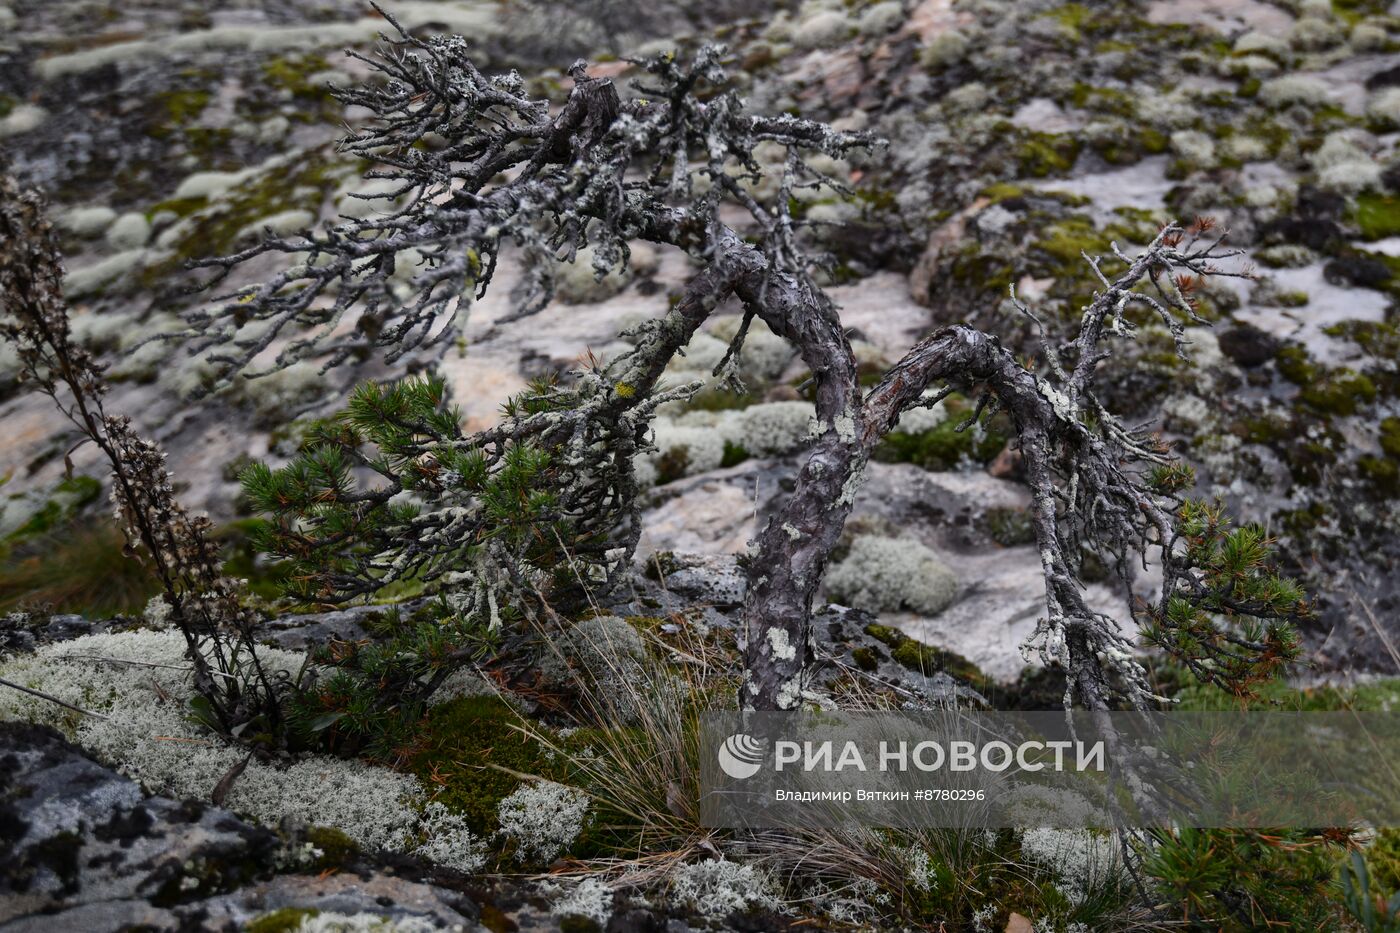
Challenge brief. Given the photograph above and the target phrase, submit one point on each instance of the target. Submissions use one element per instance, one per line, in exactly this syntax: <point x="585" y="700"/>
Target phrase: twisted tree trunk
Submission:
<point x="793" y="548"/>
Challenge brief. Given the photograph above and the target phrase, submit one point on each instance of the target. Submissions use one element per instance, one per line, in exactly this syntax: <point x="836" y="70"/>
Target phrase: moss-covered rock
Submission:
<point x="926" y="659"/>
<point x="867" y="659"/>
<point x="176" y="108"/>
<point x="1066" y="241"/>
<point x="1295" y="365"/>
<point x="285" y="920"/>
<point x="1381" y="472"/>
<point x="1009" y="526"/>
<point x="1389" y="437"/>
<point x="1339" y="392"/>
<point x="1377" y="215"/>
<point x="68" y="497"/>
<point x="1042" y="154"/>
<point x="336" y="848"/>
<point x="945" y="446"/>
<point x="217" y="212"/>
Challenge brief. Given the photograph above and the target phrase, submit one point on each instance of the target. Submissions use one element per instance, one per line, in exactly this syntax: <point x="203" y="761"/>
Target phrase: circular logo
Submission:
<point x="741" y="755"/>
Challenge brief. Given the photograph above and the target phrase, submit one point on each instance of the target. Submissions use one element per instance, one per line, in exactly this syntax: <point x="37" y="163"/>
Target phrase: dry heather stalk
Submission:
<point x="200" y="600"/>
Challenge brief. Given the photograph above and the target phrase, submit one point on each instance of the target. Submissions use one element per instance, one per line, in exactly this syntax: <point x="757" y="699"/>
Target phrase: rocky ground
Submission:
<point x="1021" y="133"/>
<point x="87" y="849"/>
<point x="85" y="846"/>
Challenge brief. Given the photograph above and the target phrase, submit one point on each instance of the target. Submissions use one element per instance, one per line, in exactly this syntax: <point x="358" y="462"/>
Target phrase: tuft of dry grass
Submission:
<point x="82" y="568"/>
<point x="637" y="752"/>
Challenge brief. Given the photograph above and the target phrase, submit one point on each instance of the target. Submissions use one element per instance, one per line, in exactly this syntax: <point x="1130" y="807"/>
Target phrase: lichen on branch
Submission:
<point x="479" y="167"/>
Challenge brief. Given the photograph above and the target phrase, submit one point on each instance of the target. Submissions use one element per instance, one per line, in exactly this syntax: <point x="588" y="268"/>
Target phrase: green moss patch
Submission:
<point x="337" y="849"/>
<point x="1129" y="145"/>
<point x="1295" y="365"/>
<point x="1265" y="429"/>
<point x="940" y="449"/>
<point x="718" y="399"/>
<point x="1377" y="215"/>
<point x="1380" y="341"/>
<point x="1389" y="437"/>
<point x="293" y="74"/>
<point x="1009" y="526"/>
<point x="1351" y="11"/>
<point x="462" y="747"/>
<point x="1043" y="154"/>
<point x="69" y="497"/>
<point x="944" y="447"/>
<point x="926" y="659"/>
<point x="1002" y="191"/>
<point x="734" y="454"/>
<point x="867" y="659"/>
<point x="1380" y="473"/>
<point x="1066" y="241"/>
<point x="173" y="110"/>
<point x="214" y="230"/>
<point x="285" y="920"/>
<point x="1340" y="392"/>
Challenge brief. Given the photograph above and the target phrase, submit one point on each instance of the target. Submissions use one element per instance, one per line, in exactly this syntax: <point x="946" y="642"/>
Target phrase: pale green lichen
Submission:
<point x="590" y="898"/>
<point x="718" y="887"/>
<point x="1302" y="90"/>
<point x="882" y="574"/>
<point x="139" y="684"/>
<point x="783" y="649"/>
<point x="543" y="819"/>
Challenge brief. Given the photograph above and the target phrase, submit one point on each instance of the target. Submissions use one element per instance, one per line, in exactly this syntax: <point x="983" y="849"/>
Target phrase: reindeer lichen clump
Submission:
<point x="236" y="695"/>
<point x="478" y="166"/>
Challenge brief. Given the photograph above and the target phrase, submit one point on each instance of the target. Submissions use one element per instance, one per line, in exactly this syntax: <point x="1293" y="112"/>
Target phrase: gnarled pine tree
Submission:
<point x="478" y="165"/>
